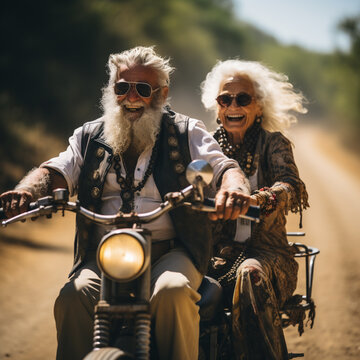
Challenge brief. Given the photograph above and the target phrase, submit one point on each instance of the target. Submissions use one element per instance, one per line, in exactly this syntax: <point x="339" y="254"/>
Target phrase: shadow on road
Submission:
<point x="27" y="243"/>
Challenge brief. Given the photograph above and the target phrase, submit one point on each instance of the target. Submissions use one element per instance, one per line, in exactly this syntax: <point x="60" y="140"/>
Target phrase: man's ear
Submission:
<point x="164" y="92"/>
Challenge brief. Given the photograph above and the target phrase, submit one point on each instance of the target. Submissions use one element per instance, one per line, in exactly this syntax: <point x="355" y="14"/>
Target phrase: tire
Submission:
<point x="109" y="353"/>
<point x="202" y="355"/>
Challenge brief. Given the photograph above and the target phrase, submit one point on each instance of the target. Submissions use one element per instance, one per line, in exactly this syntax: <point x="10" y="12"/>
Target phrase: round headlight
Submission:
<point x="121" y="256"/>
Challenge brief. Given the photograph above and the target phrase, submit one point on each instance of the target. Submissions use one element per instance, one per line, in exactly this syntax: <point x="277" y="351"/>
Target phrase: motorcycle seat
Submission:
<point x="211" y="299"/>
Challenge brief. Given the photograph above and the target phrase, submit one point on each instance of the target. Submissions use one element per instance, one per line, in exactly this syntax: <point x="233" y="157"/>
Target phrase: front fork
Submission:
<point x="138" y="311"/>
<point x="142" y="335"/>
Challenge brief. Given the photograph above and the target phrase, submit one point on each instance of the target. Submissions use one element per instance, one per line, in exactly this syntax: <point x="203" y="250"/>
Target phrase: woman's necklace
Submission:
<point x="127" y="186"/>
<point x="243" y="153"/>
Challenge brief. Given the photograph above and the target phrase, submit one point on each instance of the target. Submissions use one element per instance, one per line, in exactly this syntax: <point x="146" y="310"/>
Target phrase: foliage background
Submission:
<point x="53" y="57"/>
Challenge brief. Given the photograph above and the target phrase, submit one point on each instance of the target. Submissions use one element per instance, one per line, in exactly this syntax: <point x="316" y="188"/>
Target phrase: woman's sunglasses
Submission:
<point x="143" y="89"/>
<point x="242" y="99"/>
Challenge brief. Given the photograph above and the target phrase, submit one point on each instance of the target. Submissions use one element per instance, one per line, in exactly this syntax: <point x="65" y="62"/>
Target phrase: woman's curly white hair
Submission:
<point x="274" y="92"/>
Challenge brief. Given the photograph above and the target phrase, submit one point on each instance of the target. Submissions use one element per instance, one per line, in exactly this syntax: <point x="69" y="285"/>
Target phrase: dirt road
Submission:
<point x="36" y="257"/>
<point x="332" y="224"/>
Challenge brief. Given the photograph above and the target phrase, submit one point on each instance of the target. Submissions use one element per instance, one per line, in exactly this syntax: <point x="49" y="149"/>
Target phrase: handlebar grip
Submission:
<point x="209" y="202"/>
<point x="32" y="206"/>
<point x="253" y="211"/>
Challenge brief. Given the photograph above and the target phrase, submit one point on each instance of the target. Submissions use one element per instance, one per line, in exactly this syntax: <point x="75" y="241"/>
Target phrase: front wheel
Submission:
<point x="109" y="353"/>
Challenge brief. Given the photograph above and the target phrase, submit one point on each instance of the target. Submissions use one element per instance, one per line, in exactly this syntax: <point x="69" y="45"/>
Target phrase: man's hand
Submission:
<point x="229" y="204"/>
<point x="40" y="181"/>
<point x="233" y="198"/>
<point x="15" y="202"/>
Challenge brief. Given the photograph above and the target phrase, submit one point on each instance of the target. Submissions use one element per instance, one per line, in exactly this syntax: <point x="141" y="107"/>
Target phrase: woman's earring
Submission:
<point x="218" y="121"/>
<point x="258" y="119"/>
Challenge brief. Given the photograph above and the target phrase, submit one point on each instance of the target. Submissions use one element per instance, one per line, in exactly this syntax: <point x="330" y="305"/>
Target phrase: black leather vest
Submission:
<point x="191" y="227"/>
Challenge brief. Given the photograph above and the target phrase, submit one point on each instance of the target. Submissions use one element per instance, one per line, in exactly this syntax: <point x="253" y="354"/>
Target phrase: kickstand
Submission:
<point x="295" y="355"/>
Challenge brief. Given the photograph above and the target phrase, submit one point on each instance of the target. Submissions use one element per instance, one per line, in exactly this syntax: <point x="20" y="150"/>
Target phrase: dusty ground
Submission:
<point x="332" y="176"/>
<point x="35" y="258"/>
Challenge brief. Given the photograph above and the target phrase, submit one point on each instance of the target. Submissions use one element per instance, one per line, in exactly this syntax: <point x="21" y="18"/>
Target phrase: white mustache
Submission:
<point x="128" y="103"/>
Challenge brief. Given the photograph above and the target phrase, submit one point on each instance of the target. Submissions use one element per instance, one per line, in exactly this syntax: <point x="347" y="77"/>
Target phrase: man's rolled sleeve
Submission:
<point x="69" y="162"/>
<point x="203" y="146"/>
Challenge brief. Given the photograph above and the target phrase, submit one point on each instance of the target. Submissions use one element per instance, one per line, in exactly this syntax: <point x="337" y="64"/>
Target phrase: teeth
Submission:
<point x="235" y="116"/>
<point x="133" y="107"/>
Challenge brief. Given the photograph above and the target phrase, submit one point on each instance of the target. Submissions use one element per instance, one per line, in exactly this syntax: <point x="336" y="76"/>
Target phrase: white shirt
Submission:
<point x="243" y="226"/>
<point x="201" y="144"/>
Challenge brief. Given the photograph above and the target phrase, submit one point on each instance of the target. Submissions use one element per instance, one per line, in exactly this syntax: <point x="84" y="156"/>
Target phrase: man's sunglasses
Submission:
<point x="242" y="99"/>
<point x="143" y="89"/>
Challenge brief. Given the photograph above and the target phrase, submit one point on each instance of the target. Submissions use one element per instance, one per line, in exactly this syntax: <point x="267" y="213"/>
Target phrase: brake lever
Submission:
<point x="43" y="206"/>
<point x="35" y="213"/>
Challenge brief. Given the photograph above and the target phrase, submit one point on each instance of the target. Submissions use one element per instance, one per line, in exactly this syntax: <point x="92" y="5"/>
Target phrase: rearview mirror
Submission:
<point x="199" y="171"/>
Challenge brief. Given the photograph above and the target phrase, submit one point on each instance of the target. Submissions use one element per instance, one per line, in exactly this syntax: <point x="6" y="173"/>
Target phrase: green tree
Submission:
<point x="348" y="103"/>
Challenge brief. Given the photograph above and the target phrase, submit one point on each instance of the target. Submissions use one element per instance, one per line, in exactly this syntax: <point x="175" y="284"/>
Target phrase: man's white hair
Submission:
<point x="140" y="55"/>
<point x="274" y="92"/>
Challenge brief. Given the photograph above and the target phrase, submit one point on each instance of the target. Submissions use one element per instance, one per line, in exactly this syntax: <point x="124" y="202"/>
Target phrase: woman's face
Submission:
<point x="240" y="114"/>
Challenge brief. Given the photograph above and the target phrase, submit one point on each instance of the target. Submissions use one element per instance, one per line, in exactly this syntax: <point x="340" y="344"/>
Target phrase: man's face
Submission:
<point x="236" y="118"/>
<point x="133" y="104"/>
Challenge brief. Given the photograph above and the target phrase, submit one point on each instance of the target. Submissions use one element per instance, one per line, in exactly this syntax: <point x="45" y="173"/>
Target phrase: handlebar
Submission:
<point x="59" y="201"/>
<point x="252" y="214"/>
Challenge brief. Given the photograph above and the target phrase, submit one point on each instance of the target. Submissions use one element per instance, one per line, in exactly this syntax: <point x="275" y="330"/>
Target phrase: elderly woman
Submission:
<point x="253" y="107"/>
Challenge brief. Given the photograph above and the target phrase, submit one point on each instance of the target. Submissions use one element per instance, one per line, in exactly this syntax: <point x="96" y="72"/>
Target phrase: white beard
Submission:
<point x="120" y="132"/>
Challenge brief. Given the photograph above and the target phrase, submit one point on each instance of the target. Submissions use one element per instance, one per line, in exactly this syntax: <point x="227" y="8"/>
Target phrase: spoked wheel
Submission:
<point x="109" y="353"/>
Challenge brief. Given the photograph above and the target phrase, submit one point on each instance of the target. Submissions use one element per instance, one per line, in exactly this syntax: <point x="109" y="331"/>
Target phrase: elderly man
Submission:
<point x="128" y="160"/>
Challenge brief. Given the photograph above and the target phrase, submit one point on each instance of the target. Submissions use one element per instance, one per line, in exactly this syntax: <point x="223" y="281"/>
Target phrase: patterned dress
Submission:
<point x="267" y="277"/>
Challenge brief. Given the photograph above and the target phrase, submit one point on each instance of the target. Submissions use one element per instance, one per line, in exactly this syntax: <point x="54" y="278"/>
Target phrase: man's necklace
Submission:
<point x="128" y="189"/>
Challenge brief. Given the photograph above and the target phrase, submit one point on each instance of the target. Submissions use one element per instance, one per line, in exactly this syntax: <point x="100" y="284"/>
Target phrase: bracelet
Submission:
<point x="267" y="200"/>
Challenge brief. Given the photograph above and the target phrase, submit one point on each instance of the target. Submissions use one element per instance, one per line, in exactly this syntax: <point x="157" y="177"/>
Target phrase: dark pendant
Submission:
<point x="127" y="184"/>
<point x="126" y="208"/>
<point x="127" y="195"/>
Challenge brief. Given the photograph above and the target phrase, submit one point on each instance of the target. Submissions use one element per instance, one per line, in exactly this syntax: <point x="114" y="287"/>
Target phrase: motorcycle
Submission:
<point x="122" y="325"/>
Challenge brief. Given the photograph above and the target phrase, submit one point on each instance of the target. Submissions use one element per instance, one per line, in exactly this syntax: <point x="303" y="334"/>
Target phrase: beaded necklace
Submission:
<point x="127" y="186"/>
<point x="243" y="153"/>
<point x="231" y="275"/>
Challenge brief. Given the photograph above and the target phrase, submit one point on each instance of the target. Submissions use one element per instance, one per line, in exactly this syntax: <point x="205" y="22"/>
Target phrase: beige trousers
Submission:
<point x="175" y="315"/>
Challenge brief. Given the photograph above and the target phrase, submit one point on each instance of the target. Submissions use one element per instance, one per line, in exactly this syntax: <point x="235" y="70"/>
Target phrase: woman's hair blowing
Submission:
<point x="274" y="92"/>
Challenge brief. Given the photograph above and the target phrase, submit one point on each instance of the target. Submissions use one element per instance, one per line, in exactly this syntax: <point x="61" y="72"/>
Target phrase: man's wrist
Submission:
<point x="220" y="179"/>
<point x="36" y="182"/>
<point x="235" y="179"/>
